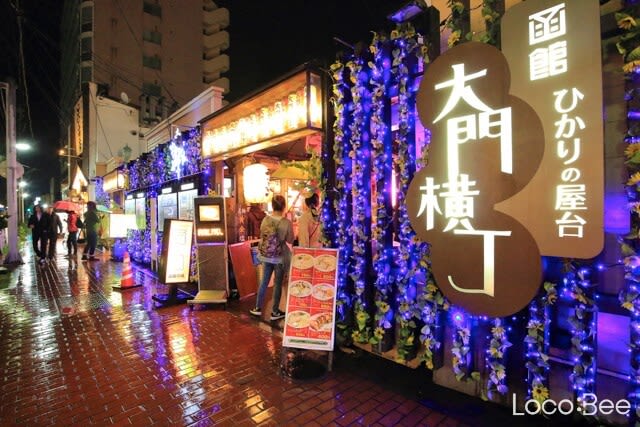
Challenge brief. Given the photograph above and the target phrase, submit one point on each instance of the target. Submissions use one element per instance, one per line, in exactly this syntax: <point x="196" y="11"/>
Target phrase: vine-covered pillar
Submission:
<point x="360" y="155"/>
<point x="405" y="53"/>
<point x="343" y="108"/>
<point x="328" y="182"/>
<point x="382" y="153"/>
<point x="583" y="324"/>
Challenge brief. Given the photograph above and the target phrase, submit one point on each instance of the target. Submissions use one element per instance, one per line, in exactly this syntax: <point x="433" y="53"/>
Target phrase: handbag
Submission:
<point x="82" y="238"/>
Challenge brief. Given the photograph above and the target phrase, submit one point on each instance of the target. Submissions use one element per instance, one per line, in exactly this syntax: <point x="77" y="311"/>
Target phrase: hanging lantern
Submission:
<point x="256" y="183"/>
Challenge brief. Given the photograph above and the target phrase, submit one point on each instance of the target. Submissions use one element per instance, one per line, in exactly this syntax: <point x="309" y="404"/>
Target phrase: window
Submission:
<point x="85" y="48"/>
<point x="86" y="19"/>
<point x="152" y="36"/>
<point x="114" y="53"/>
<point x="114" y="23"/>
<point x="85" y="74"/>
<point x="152" y="62"/>
<point x="152" y="9"/>
<point x="151" y="89"/>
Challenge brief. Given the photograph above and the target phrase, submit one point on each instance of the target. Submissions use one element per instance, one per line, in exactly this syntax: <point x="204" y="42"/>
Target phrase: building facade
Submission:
<point x="145" y="55"/>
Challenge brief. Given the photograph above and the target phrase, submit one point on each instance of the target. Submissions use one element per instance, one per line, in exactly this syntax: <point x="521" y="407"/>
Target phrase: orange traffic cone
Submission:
<point x="126" y="282"/>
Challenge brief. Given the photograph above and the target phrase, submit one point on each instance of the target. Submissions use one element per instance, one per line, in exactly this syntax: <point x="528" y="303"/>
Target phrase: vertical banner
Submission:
<point x="311" y="299"/>
<point x="553" y="51"/>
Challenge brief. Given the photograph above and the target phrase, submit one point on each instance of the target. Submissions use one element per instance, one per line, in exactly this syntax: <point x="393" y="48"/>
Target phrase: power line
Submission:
<point x="23" y="71"/>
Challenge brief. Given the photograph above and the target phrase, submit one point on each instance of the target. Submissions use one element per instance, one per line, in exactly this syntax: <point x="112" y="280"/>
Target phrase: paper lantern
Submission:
<point x="256" y="183"/>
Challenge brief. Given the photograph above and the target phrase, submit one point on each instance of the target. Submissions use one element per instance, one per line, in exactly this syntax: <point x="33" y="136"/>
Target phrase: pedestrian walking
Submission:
<point x="39" y="225"/>
<point x="275" y="232"/>
<point x="55" y="228"/>
<point x="92" y="225"/>
<point x="74" y="224"/>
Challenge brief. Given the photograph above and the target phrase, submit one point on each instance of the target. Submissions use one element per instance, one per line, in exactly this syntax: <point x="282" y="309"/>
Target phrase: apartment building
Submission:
<point x="151" y="56"/>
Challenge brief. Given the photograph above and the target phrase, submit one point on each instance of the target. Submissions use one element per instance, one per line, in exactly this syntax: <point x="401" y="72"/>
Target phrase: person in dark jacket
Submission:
<point x="254" y="220"/>
<point x="91" y="224"/>
<point x="39" y="225"/>
<point x="55" y="227"/>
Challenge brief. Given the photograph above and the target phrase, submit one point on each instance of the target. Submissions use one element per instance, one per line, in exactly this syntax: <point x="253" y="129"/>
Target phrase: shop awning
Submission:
<point x="286" y="110"/>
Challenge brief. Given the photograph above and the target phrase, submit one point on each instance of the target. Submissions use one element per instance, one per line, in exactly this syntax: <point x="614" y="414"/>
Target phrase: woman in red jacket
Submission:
<point x="72" y="228"/>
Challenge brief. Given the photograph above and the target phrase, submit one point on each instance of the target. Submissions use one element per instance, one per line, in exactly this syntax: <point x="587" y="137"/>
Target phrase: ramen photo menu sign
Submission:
<point x="311" y="299"/>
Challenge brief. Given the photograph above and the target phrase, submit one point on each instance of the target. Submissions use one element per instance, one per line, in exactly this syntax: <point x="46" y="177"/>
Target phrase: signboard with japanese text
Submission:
<point x="175" y="262"/>
<point x="167" y="208"/>
<point x="486" y="145"/>
<point x="185" y="204"/>
<point x="553" y="51"/>
<point x="311" y="299"/>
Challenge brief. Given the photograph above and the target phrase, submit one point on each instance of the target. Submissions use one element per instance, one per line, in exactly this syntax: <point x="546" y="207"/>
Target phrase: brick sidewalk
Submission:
<point x="76" y="353"/>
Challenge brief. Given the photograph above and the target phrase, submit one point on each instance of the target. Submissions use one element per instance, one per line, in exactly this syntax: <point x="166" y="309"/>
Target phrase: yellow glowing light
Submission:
<point x="256" y="183"/>
<point x="284" y="115"/>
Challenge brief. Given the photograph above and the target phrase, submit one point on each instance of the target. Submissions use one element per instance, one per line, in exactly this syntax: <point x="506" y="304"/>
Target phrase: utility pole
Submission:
<point x="13" y="256"/>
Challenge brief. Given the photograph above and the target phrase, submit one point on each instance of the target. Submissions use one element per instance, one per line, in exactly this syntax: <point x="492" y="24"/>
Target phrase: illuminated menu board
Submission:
<point x="185" y="204"/>
<point x="311" y="299"/>
<point x="130" y="206"/>
<point x="141" y="213"/>
<point x="175" y="262"/>
<point x="167" y="208"/>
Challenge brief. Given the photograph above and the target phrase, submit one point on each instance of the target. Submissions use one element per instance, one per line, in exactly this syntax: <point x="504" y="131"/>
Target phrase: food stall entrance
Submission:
<point x="266" y="143"/>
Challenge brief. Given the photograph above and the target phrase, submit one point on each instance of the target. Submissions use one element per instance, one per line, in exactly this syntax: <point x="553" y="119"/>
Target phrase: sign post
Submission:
<point x="311" y="300"/>
<point x="211" y="239"/>
<point x="175" y="260"/>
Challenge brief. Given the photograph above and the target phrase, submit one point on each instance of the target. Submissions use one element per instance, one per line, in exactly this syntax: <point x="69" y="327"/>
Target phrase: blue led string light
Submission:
<point x="411" y="250"/>
<point x="342" y="203"/>
<point x="581" y="291"/>
<point x="382" y="153"/>
<point x="361" y="196"/>
<point x="537" y="344"/>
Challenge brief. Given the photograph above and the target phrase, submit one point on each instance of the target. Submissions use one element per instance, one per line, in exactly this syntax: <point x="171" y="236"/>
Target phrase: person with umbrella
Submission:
<point x="55" y="227"/>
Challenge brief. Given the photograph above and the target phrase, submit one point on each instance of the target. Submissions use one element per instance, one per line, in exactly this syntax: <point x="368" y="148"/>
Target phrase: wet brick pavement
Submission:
<point x="74" y="352"/>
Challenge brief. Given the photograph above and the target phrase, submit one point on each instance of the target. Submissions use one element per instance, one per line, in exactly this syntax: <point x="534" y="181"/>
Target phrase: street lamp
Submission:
<point x="23" y="146"/>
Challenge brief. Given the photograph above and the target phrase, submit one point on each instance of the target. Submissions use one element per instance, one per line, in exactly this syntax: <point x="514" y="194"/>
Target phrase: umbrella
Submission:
<point x="102" y="208"/>
<point x="66" y="205"/>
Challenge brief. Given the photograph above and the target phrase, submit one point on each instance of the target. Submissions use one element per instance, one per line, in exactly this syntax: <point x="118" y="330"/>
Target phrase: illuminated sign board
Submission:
<point x="211" y="226"/>
<point x="141" y="212"/>
<point x="113" y="181"/>
<point x="185" y="203"/>
<point x="556" y="67"/>
<point x="207" y="232"/>
<point x="485" y="147"/>
<point x="120" y="224"/>
<point x="293" y="105"/>
<point x="167" y="207"/>
<point x="175" y="262"/>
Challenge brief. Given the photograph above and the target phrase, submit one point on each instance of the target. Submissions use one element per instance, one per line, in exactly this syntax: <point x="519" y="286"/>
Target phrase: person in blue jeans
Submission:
<point x="278" y="263"/>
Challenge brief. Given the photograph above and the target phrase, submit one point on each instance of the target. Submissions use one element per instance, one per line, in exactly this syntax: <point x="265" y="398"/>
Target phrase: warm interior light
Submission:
<point x="285" y="115"/>
<point x="256" y="183"/>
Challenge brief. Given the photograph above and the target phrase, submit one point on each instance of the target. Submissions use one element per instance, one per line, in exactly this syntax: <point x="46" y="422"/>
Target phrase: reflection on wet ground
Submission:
<point x="76" y="352"/>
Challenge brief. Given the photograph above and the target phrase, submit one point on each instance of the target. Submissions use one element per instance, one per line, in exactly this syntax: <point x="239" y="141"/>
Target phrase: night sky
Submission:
<point x="268" y="38"/>
<point x="41" y="56"/>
